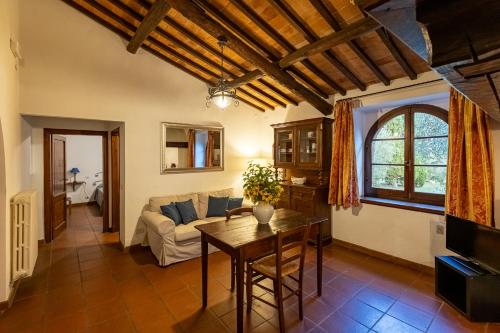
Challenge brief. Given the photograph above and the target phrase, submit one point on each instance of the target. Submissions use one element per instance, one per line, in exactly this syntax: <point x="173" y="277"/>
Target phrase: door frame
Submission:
<point x="115" y="181"/>
<point x="47" y="183"/>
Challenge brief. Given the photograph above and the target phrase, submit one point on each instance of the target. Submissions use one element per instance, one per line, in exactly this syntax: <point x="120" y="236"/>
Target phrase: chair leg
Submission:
<point x="249" y="287"/>
<point x="301" y="312"/>
<point x="275" y="287"/>
<point x="233" y="273"/>
<point x="281" y="314"/>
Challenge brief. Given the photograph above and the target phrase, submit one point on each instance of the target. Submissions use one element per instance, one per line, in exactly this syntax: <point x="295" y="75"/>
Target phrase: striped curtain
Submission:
<point x="469" y="186"/>
<point x="343" y="174"/>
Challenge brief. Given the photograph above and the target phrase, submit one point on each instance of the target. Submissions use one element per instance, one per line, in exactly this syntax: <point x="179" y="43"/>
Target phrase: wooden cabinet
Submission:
<point x="303" y="149"/>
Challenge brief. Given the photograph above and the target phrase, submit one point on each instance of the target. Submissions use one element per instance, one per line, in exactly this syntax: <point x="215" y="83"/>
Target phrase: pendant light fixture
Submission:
<point x="221" y="94"/>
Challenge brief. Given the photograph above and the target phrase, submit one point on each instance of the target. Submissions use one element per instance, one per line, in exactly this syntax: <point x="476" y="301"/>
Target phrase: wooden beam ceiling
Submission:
<point x="257" y="61"/>
<point x="197" y="16"/>
<point x="158" y="11"/>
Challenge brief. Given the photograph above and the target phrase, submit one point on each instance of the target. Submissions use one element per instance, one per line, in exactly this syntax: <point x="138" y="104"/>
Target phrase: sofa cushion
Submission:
<point x="217" y="206"/>
<point x="187" y="211"/>
<point x="171" y="212"/>
<point x="234" y="203"/>
<point x="203" y="199"/>
<point x="156" y="202"/>
<point x="185" y="232"/>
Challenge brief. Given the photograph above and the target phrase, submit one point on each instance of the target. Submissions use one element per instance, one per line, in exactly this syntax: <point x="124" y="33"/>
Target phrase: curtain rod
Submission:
<point x="389" y="90"/>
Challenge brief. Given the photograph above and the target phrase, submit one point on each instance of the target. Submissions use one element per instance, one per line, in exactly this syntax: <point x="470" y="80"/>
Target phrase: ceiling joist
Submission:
<point x="158" y="11"/>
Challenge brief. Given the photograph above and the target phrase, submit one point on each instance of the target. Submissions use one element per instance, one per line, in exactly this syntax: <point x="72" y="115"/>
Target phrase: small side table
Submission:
<point x="68" y="205"/>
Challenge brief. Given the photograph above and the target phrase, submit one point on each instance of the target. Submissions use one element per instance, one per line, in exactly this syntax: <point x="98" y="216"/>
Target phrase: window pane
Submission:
<point x="388" y="177"/>
<point x="394" y="128"/>
<point x="430" y="180"/>
<point x="388" y="151"/>
<point x="431" y="151"/>
<point x="428" y="125"/>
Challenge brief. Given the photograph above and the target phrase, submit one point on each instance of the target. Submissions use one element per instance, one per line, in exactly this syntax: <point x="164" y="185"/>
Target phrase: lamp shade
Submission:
<point x="75" y="171"/>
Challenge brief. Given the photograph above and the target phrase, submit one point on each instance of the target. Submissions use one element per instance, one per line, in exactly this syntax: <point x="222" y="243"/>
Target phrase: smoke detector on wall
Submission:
<point x="15" y="47"/>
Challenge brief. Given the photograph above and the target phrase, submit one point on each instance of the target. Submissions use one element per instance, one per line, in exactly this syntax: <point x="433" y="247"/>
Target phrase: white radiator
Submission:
<point x="24" y="234"/>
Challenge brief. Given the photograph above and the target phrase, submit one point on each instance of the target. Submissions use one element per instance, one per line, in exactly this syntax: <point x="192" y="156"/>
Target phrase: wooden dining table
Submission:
<point x="243" y="238"/>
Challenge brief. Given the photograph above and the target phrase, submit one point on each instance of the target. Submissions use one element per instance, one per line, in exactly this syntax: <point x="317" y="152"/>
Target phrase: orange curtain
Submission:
<point x="469" y="186"/>
<point x="190" y="157"/>
<point x="209" y="150"/>
<point x="343" y="174"/>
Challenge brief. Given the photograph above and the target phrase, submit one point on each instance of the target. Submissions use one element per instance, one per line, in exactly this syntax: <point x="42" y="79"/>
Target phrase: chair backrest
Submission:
<point x="291" y="246"/>
<point x="238" y="211"/>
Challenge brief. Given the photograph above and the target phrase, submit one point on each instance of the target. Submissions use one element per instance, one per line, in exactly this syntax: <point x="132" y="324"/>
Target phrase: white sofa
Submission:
<point x="170" y="243"/>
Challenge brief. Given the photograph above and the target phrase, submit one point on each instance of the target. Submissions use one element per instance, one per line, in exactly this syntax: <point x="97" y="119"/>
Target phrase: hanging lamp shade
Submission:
<point x="74" y="171"/>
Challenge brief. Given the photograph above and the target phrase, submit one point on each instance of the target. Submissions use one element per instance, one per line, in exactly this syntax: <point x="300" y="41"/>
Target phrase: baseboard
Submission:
<point x="384" y="256"/>
<point x="5" y="305"/>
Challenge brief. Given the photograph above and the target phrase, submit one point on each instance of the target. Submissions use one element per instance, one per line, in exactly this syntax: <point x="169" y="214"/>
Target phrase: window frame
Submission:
<point x="408" y="194"/>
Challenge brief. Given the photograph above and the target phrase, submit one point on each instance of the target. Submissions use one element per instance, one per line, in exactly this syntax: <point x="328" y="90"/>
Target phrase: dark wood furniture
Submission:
<point x="286" y="262"/>
<point x="304" y="149"/>
<point x="244" y="238"/>
<point x="471" y="289"/>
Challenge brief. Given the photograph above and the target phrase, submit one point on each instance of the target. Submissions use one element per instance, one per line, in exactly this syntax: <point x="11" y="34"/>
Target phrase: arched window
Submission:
<point x="406" y="152"/>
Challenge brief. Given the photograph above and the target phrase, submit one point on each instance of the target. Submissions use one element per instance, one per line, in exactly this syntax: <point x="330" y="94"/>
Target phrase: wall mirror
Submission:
<point x="191" y="148"/>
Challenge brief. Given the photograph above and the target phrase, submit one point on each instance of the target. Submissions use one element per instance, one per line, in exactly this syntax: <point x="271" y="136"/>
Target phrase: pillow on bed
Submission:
<point x="187" y="211"/>
<point x="217" y="206"/>
<point x="172" y="213"/>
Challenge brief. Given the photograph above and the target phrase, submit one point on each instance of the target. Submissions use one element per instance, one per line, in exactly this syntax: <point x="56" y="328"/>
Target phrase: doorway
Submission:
<point x="115" y="180"/>
<point x="60" y="177"/>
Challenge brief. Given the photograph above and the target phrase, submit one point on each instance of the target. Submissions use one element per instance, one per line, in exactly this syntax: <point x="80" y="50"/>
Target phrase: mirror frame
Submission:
<point x="166" y="171"/>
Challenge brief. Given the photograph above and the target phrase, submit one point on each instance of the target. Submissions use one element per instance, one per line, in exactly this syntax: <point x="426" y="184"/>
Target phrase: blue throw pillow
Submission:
<point x="172" y="213"/>
<point x="234" y="203"/>
<point x="217" y="206"/>
<point x="187" y="211"/>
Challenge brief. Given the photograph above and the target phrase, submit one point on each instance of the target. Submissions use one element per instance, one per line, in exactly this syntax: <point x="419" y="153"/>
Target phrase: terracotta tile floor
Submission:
<point x="84" y="283"/>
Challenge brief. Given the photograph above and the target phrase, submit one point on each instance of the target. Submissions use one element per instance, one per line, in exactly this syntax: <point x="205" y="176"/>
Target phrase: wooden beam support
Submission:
<point x="212" y="27"/>
<point x="325" y="9"/>
<point x="354" y="30"/>
<point x="247" y="78"/>
<point x="396" y="53"/>
<point x="155" y="15"/>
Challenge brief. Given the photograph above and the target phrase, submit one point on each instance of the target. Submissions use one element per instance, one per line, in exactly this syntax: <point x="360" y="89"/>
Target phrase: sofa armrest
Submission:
<point x="160" y="223"/>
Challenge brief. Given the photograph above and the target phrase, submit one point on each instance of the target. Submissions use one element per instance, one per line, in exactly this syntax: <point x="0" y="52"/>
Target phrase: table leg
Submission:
<point x="240" y="283"/>
<point x="319" y="259"/>
<point x="204" y="268"/>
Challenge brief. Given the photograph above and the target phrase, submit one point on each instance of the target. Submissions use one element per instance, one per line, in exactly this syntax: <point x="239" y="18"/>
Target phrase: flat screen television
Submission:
<point x="474" y="241"/>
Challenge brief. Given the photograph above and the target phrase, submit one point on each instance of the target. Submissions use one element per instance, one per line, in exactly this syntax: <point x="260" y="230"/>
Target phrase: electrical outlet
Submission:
<point x="440" y="229"/>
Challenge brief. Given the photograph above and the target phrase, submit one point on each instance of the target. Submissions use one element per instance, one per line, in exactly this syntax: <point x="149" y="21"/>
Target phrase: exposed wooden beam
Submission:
<point x="212" y="27"/>
<point x="396" y="53"/>
<point x="155" y="15"/>
<point x="247" y="78"/>
<point x="325" y="8"/>
<point x="354" y="30"/>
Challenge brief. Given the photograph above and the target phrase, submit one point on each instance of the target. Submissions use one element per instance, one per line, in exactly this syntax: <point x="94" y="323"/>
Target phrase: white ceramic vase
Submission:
<point x="263" y="212"/>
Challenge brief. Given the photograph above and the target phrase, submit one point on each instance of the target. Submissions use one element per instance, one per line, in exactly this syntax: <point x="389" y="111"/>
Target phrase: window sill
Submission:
<point x="431" y="209"/>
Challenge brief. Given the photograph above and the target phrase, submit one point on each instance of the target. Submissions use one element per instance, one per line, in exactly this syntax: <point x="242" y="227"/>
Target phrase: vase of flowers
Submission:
<point x="262" y="186"/>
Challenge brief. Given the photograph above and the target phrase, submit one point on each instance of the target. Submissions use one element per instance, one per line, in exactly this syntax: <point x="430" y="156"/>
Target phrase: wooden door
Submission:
<point x="58" y="184"/>
<point x="115" y="180"/>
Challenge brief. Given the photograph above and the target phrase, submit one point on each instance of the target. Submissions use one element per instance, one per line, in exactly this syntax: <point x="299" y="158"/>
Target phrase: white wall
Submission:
<point x="85" y="153"/>
<point x="14" y="143"/>
<point x="65" y="76"/>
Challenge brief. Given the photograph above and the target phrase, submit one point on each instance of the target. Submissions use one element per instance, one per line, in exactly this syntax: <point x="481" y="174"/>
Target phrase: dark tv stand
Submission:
<point x="471" y="289"/>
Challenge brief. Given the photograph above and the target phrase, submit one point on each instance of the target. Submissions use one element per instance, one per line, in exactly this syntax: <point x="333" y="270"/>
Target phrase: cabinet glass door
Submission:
<point x="284" y="151"/>
<point x="308" y="145"/>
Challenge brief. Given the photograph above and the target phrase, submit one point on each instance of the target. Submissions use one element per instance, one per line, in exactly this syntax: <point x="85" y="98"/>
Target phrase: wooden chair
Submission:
<point x="288" y="260"/>
<point x="229" y="213"/>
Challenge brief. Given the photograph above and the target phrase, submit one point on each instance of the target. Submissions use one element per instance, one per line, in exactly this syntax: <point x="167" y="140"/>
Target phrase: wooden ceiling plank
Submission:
<point x="354" y="30"/>
<point x="396" y="53"/>
<point x="323" y="9"/>
<point x="155" y="15"/>
<point x="200" y="18"/>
